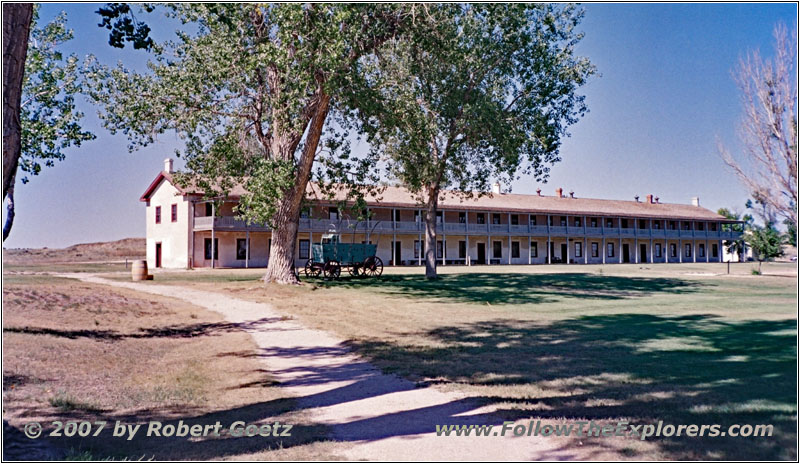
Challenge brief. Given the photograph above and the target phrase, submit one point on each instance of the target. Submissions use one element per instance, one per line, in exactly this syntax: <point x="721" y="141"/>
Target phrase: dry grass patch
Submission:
<point x="77" y="351"/>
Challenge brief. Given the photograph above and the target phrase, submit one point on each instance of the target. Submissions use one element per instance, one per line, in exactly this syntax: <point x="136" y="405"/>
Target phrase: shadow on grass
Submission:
<point x="681" y="370"/>
<point x="513" y="288"/>
<point x="171" y="331"/>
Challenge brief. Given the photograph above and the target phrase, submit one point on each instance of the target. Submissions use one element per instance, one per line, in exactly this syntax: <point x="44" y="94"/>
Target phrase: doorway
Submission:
<point x="626" y="253"/>
<point x="564" y="258"/>
<point x="158" y="254"/>
<point x="643" y="253"/>
<point x="481" y="253"/>
<point x="398" y="247"/>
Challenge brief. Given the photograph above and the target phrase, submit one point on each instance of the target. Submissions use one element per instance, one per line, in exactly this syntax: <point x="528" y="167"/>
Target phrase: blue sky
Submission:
<point x="663" y="95"/>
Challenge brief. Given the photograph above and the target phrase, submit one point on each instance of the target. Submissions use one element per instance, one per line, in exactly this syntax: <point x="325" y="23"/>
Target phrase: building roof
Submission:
<point x="398" y="197"/>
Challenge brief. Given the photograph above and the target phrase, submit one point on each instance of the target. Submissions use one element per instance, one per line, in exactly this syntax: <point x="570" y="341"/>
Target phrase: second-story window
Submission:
<point x="642" y="224"/>
<point x="700" y="226"/>
<point x="563" y="221"/>
<point x="624" y="224"/>
<point x="657" y="225"/>
<point x="577" y="222"/>
<point x="495" y="218"/>
<point x="397" y="215"/>
<point x="609" y="223"/>
<point x="333" y="213"/>
<point x="462" y="218"/>
<point x="533" y="220"/>
<point x="209" y="209"/>
<point x="304" y="213"/>
<point x="439" y="216"/>
<point x="594" y="222"/>
<point x="158" y="215"/>
<point x="174" y="212"/>
<point x="515" y="219"/>
<point x="481" y="218"/>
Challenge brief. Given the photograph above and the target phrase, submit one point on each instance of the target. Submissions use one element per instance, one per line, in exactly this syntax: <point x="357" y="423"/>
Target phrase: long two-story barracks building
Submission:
<point x="184" y="230"/>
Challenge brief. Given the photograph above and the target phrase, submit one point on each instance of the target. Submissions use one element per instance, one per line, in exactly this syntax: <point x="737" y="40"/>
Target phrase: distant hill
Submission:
<point x="130" y="248"/>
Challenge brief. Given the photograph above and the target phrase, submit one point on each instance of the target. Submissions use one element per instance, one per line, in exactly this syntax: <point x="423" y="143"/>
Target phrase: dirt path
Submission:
<point x="383" y="417"/>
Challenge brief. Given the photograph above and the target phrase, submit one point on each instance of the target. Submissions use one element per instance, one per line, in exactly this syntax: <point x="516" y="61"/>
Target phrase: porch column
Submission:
<point x="549" y="258"/>
<point x="444" y="248"/>
<point x="707" y="250"/>
<point x="394" y="236"/>
<point x="694" y="249"/>
<point x="247" y="248"/>
<point x="467" y="259"/>
<point x="213" y="248"/>
<point x="604" y="252"/>
<point x="585" y="252"/>
<point x="680" y="248"/>
<point x="489" y="249"/>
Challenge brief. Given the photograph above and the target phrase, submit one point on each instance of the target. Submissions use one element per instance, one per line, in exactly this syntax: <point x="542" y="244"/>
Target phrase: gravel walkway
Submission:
<point x="384" y="417"/>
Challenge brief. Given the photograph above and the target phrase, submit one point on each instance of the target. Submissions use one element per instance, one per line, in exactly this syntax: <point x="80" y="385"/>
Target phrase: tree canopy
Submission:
<point x="249" y="91"/>
<point x="482" y="92"/>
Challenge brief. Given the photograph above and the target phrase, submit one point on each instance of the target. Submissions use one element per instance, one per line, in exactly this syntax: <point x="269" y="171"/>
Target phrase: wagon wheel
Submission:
<point x="356" y="270"/>
<point x="312" y="269"/>
<point x="373" y="266"/>
<point x="331" y="270"/>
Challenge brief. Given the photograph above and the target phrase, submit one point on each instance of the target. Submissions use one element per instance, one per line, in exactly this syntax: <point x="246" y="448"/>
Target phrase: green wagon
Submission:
<point x="331" y="255"/>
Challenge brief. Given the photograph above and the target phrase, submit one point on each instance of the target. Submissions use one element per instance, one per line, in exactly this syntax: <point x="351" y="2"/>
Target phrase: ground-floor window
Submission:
<point x="578" y="249"/>
<point x="515" y="249"/>
<point x="497" y="248"/>
<point x="439" y="249"/>
<point x="702" y="250"/>
<point x="534" y="249"/>
<point x="241" y="248"/>
<point x="673" y="250"/>
<point x="610" y="249"/>
<point x="419" y="248"/>
<point x="595" y="249"/>
<point x="303" y="247"/>
<point x="688" y="250"/>
<point x="714" y="250"/>
<point x="462" y="249"/>
<point x="208" y="247"/>
<point x="658" y="250"/>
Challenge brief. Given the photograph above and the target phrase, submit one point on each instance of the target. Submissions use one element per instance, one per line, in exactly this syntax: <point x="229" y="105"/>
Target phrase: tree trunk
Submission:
<point x="430" y="233"/>
<point x="16" y="29"/>
<point x="285" y="223"/>
<point x="10" y="210"/>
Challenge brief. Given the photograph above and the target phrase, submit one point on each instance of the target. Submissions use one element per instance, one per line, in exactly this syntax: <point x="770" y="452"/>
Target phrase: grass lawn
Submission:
<point x="685" y="344"/>
<point x="77" y="351"/>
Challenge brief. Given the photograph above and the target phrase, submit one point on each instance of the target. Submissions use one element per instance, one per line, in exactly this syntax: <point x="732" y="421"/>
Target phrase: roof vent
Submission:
<point x="539" y="192"/>
<point x="572" y="194"/>
<point x="657" y="200"/>
<point x="636" y="198"/>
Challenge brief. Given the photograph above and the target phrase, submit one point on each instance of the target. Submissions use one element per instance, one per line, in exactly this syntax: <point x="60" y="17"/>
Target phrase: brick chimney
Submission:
<point x="496" y="188"/>
<point x="168" y="164"/>
<point x="695" y="201"/>
<point x="559" y="192"/>
<point x="650" y="198"/>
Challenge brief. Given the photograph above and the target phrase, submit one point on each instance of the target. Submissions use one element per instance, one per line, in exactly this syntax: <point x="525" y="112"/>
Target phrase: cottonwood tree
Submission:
<point x="766" y="243"/>
<point x="49" y="120"/>
<point x="768" y="131"/>
<point x="249" y="91"/>
<point x="481" y="92"/>
<point x="17" y="19"/>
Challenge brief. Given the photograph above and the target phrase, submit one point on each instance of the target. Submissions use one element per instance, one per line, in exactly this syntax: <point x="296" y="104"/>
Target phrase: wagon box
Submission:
<point x="331" y="255"/>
